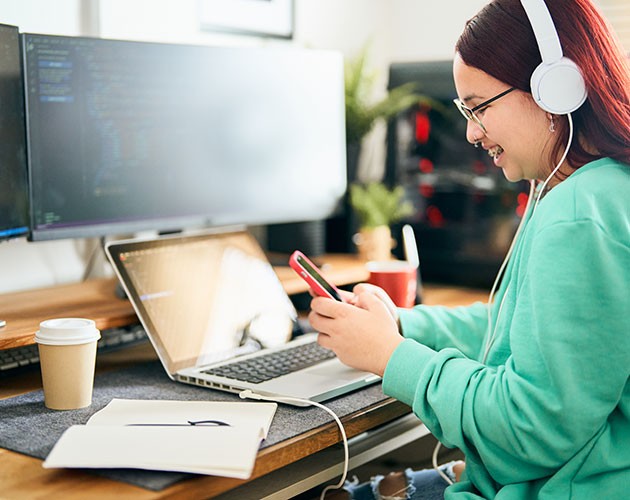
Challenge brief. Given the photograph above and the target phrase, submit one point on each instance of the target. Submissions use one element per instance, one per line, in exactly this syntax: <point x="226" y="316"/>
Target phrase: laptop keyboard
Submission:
<point x="273" y="365"/>
<point x="17" y="358"/>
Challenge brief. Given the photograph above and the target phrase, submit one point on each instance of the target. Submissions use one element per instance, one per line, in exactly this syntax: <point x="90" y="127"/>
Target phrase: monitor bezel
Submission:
<point x="15" y="231"/>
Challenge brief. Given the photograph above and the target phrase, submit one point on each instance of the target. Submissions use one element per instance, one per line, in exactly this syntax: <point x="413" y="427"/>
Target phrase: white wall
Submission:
<point x="29" y="265"/>
<point x="397" y="30"/>
<point x="60" y="17"/>
<point x="425" y="30"/>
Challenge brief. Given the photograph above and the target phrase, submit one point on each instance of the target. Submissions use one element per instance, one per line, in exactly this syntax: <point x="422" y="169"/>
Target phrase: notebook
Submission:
<point x="212" y="305"/>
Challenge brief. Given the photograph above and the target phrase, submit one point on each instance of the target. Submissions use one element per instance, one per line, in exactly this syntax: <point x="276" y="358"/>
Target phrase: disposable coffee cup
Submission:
<point x="398" y="278"/>
<point x="67" y="355"/>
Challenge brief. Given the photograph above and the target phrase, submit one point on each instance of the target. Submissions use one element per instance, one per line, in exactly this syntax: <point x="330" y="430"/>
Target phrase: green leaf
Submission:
<point x="361" y="113"/>
<point x="377" y="205"/>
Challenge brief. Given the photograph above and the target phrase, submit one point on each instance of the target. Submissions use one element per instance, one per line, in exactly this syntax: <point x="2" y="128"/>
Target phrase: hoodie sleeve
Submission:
<point x="439" y="327"/>
<point x="567" y="370"/>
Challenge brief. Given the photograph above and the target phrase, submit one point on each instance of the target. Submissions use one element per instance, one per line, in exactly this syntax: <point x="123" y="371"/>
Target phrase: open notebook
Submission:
<point x="212" y="306"/>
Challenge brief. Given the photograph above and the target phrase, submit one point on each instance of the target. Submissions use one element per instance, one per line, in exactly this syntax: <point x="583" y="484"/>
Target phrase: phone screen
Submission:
<point x="319" y="278"/>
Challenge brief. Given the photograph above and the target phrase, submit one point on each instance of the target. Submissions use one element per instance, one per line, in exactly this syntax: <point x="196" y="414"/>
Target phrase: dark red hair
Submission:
<point x="500" y="41"/>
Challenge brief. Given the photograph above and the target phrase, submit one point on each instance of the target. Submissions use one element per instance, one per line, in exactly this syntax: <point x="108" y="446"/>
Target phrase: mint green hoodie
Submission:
<point x="548" y="414"/>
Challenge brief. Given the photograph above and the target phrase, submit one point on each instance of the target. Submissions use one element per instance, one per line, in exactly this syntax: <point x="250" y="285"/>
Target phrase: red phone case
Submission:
<point x="310" y="273"/>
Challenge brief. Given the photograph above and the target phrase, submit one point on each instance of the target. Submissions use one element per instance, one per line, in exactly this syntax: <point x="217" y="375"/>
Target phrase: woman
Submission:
<point x="533" y="389"/>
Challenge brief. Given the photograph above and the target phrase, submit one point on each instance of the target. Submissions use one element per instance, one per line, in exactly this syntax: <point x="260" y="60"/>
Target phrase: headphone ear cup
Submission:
<point x="558" y="87"/>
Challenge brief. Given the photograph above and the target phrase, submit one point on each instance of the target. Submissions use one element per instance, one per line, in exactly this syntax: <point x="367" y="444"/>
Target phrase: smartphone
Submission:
<point x="312" y="275"/>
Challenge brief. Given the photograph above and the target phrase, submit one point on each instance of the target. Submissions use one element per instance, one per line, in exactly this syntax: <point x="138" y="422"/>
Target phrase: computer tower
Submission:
<point x="466" y="212"/>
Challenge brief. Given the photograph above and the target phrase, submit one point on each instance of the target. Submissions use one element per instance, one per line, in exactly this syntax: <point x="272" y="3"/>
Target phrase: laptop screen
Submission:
<point x="204" y="298"/>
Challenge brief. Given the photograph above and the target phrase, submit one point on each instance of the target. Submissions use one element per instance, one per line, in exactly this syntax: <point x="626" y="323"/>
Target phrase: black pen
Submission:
<point x="199" y="423"/>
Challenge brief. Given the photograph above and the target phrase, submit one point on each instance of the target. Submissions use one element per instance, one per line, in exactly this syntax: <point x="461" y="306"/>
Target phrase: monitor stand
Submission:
<point x="120" y="291"/>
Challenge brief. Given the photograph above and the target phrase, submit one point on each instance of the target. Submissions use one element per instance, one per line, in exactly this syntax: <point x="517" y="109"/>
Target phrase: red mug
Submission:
<point x="398" y="278"/>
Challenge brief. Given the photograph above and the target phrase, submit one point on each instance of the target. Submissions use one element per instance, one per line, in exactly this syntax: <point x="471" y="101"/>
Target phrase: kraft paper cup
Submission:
<point x="398" y="278"/>
<point x="67" y="355"/>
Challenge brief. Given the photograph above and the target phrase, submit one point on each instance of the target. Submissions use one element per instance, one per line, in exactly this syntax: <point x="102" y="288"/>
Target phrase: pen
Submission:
<point x="200" y="423"/>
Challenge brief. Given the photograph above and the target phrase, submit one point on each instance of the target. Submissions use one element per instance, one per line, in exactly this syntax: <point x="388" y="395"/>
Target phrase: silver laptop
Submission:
<point x="212" y="306"/>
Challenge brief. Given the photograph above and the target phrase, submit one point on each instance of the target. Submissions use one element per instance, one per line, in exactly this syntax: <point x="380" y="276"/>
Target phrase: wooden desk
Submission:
<point x="23" y="477"/>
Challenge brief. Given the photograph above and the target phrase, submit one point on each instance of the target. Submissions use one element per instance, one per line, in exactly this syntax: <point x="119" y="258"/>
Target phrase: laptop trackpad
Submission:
<point x="338" y="371"/>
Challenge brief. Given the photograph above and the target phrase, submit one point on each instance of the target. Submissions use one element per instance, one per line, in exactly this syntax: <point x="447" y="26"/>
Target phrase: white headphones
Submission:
<point x="557" y="83"/>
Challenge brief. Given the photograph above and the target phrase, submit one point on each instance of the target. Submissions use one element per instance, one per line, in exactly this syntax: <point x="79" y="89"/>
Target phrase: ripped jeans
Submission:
<point x="424" y="484"/>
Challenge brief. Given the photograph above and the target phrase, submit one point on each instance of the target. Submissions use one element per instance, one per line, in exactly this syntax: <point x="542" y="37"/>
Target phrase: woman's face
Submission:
<point x="516" y="135"/>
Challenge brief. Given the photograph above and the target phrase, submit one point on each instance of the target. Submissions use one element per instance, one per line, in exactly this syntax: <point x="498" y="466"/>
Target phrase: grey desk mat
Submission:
<point x="28" y="427"/>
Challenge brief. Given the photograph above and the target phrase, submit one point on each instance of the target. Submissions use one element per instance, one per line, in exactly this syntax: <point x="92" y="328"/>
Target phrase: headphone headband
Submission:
<point x="557" y="84"/>
<point x="544" y="30"/>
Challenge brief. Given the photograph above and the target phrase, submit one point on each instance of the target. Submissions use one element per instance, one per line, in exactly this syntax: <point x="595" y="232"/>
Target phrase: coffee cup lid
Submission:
<point x="67" y="331"/>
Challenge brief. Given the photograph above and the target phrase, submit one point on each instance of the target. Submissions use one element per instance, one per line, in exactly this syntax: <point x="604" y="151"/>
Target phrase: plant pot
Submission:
<point x="374" y="243"/>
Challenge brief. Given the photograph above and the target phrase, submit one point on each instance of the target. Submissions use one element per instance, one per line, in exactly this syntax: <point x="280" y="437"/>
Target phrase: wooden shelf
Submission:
<point x="340" y="269"/>
<point x="96" y="299"/>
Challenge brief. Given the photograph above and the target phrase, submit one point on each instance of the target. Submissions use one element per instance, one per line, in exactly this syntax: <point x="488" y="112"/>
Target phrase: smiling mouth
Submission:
<point x="494" y="152"/>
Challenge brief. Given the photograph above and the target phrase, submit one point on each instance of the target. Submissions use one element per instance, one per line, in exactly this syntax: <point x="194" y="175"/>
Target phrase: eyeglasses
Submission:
<point x="469" y="113"/>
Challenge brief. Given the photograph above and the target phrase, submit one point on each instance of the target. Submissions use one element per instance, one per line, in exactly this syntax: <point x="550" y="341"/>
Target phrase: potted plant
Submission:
<point x="377" y="207"/>
<point x="362" y="112"/>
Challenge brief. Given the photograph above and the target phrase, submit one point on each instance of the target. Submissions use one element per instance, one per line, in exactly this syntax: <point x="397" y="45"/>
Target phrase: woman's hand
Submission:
<point x="380" y="293"/>
<point x="363" y="333"/>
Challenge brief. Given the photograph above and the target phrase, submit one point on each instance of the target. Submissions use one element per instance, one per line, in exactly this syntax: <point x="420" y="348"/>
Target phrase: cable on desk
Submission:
<point x="247" y="394"/>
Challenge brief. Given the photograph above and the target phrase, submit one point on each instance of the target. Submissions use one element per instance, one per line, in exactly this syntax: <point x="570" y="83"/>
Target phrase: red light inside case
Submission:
<point x="423" y="127"/>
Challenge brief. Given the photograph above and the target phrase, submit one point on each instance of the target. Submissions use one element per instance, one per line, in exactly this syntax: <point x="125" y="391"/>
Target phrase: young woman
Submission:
<point x="534" y="387"/>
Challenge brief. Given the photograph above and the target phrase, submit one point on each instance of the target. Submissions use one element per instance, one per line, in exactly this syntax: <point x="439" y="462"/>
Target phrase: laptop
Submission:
<point x="215" y="310"/>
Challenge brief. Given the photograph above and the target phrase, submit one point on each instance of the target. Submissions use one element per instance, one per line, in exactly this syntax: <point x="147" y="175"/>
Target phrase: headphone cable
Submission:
<point x="564" y="156"/>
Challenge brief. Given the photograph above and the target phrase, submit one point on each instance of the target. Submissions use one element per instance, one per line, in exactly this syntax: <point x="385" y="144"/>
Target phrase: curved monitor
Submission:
<point x="13" y="187"/>
<point x="129" y="136"/>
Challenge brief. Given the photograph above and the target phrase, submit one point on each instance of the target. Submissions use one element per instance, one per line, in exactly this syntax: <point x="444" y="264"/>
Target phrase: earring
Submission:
<point x="552" y="124"/>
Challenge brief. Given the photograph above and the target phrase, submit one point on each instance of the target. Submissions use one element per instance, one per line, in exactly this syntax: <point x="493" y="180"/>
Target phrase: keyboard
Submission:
<point x="275" y="364"/>
<point x="19" y="358"/>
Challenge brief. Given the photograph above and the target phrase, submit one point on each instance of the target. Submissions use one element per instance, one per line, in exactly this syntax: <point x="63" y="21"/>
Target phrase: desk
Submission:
<point x="299" y="463"/>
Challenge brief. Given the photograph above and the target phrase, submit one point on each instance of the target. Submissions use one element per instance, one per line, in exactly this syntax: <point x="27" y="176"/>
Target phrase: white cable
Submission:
<point x="436" y="466"/>
<point x="284" y="399"/>
<point x="564" y="156"/>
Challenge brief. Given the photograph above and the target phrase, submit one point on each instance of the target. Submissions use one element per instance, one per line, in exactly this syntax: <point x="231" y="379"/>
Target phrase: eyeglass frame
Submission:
<point x="464" y="110"/>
